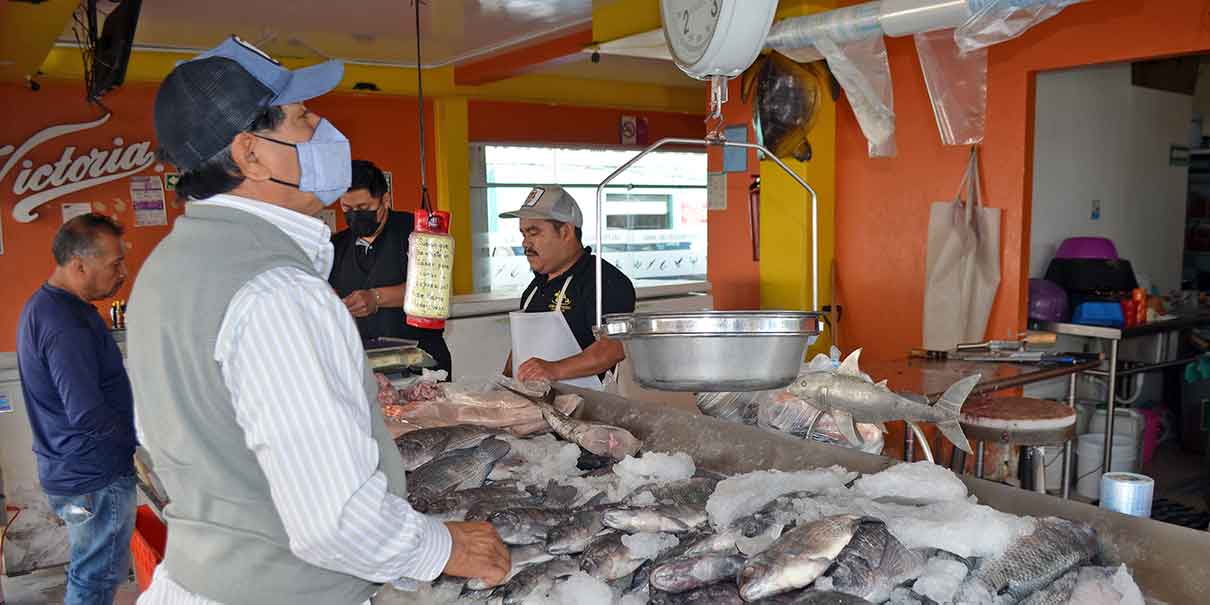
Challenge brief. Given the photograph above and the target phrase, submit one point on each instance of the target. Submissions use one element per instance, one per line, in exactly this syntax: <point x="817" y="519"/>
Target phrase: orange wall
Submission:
<point x="882" y="205"/>
<point x="734" y="276"/>
<point x="380" y="128"/>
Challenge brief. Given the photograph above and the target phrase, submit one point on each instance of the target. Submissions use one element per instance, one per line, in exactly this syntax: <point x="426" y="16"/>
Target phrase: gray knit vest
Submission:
<point x="226" y="541"/>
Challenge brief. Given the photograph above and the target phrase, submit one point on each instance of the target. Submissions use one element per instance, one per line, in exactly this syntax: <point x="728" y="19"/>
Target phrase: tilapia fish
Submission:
<point x="535" y="580"/>
<point x="419" y="447"/>
<point x="1035" y="561"/>
<point x="850" y="398"/>
<point x="482" y="501"/>
<point x="1057" y="593"/>
<point x="797" y="558"/>
<point x="754" y="533"/>
<point x="666" y="518"/>
<point x="713" y="594"/>
<point x="574" y="536"/>
<point x="874" y="562"/>
<point x="600" y="439"/>
<point x="459" y="469"/>
<point x="521" y="557"/>
<point x="520" y="526"/>
<point x="687" y="573"/>
<point x="608" y="558"/>
<point x="694" y="491"/>
<point x="824" y="597"/>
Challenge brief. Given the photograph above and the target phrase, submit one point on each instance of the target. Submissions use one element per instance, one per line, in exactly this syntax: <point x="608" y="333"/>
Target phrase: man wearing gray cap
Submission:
<point x="252" y="390"/>
<point x="553" y="337"/>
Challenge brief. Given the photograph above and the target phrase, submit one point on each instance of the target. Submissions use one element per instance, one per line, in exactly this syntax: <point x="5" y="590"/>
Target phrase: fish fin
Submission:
<point x="953" y="398"/>
<point x="918" y="398"/>
<point x="953" y="431"/>
<point x="883" y="385"/>
<point x="846" y="426"/>
<point x="849" y="366"/>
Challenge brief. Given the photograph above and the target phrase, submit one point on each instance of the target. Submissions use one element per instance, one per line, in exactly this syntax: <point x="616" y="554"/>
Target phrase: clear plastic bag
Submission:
<point x="957" y="85"/>
<point x="733" y="407"/>
<point x="995" y="21"/>
<point x="863" y="71"/>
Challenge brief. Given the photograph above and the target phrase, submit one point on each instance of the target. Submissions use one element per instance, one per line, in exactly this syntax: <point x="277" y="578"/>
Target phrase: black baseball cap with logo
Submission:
<point x="204" y="102"/>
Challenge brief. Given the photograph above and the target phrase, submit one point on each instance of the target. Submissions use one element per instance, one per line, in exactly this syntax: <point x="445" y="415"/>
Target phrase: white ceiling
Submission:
<point x="383" y="31"/>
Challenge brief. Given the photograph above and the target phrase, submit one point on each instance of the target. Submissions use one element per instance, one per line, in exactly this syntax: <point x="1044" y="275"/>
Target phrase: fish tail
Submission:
<point x="953" y="431"/>
<point x="951" y="401"/>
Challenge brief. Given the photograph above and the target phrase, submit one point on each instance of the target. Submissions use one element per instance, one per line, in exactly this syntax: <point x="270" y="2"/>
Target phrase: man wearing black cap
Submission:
<point x="371" y="266"/>
<point x="251" y="386"/>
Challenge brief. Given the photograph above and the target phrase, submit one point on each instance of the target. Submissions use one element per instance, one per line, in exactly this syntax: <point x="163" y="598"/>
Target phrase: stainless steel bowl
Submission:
<point x="714" y="350"/>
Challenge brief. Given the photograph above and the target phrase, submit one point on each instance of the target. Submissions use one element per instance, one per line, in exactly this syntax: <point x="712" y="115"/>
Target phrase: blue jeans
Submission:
<point x="99" y="525"/>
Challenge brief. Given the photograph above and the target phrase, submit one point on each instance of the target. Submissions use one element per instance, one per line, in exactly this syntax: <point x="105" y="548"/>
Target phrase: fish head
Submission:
<point x="758" y="580"/>
<point x="809" y="385"/>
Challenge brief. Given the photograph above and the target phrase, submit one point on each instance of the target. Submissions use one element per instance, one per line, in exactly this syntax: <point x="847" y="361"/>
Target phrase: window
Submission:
<point x="655" y="212"/>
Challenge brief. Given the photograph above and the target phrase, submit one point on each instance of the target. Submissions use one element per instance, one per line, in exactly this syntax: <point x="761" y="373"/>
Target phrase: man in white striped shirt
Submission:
<point x="250" y="381"/>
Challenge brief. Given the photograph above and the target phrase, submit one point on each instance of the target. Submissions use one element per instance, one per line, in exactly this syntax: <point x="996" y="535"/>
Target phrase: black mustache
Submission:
<point x="529" y="252"/>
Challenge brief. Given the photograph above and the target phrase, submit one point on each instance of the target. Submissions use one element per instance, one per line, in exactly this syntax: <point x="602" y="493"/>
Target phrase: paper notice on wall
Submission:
<point x="72" y="210"/>
<point x="147" y="195"/>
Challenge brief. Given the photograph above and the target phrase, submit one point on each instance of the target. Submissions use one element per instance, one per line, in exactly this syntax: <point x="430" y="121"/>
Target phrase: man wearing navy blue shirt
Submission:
<point x="80" y="405"/>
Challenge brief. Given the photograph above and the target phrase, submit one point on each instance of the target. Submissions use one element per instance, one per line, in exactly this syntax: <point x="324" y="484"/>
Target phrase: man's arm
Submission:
<point x="292" y="360"/>
<point x="75" y="368"/>
<point x="362" y="303"/>
<point x="599" y="357"/>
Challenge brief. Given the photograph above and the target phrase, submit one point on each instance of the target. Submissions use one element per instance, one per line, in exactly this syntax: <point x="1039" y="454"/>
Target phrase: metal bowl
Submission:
<point x="714" y="350"/>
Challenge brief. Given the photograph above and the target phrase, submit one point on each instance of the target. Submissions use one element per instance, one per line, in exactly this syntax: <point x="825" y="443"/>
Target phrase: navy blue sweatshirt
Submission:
<point x="78" y="397"/>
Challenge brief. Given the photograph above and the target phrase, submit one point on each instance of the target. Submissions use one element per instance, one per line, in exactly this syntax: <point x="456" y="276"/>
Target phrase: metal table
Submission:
<point x="932" y="377"/>
<point x="1114" y="336"/>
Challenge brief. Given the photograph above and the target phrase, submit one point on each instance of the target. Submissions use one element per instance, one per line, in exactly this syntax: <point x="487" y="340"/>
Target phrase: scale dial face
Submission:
<point x="690" y="26"/>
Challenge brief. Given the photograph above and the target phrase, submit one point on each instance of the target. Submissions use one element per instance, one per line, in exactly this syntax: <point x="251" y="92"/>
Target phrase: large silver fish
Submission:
<point x="609" y="558"/>
<point x="874" y="562"/>
<point x="849" y="398"/>
<point x="687" y="573"/>
<point x="671" y="519"/>
<point x="459" y="469"/>
<point x="1035" y="561"/>
<point x="797" y="558"/>
<point x="576" y="534"/>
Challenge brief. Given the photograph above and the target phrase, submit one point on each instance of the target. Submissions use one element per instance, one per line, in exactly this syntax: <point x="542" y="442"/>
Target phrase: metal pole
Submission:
<point x="979" y="460"/>
<point x="909" y="442"/>
<point x="1071" y="402"/>
<point x="1110" y="405"/>
<point x="675" y="141"/>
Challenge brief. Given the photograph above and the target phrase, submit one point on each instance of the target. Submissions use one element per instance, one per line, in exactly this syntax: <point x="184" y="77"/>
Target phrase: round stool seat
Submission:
<point x="1018" y="421"/>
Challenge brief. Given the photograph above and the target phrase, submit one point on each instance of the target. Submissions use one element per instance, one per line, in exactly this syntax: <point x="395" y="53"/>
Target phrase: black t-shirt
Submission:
<point x="357" y="266"/>
<point x="580" y="305"/>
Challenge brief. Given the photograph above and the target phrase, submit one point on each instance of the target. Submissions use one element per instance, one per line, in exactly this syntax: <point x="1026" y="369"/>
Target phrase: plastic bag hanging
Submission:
<point x="957" y="86"/>
<point x="996" y="21"/>
<point x="864" y="73"/>
<point x="426" y="300"/>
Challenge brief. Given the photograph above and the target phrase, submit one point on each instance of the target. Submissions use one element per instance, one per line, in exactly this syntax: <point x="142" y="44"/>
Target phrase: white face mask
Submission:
<point x="325" y="163"/>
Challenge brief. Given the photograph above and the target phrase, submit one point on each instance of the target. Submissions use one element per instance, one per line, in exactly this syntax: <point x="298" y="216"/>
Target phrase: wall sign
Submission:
<point x="71" y="211"/>
<point x="36" y="185"/>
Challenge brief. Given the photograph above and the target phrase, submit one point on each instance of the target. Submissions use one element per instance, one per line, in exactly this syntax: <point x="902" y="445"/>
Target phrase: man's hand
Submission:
<point x="538" y="369"/>
<point x="477" y="552"/>
<point x="361" y="303"/>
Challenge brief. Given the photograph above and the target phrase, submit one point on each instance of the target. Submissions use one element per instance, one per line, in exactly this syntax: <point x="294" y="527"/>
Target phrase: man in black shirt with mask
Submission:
<point x="370" y="268"/>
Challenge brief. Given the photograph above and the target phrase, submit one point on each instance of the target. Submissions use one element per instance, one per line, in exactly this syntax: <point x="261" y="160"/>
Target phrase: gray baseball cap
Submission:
<point x="550" y="202"/>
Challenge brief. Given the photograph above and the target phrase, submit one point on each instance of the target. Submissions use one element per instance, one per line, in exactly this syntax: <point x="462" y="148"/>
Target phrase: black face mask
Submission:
<point x="363" y="223"/>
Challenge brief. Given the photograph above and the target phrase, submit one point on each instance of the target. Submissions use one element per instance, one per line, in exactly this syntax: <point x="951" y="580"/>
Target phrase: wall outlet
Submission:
<point x="1096" y="210"/>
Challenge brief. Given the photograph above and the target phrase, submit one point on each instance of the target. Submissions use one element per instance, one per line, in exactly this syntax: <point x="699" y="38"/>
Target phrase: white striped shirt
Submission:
<point x="293" y="360"/>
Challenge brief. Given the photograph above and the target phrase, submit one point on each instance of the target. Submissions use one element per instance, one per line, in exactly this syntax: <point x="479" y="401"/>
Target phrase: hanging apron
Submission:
<point x="546" y="335"/>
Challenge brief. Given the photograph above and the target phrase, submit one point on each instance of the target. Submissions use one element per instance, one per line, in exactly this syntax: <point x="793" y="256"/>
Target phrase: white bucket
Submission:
<point x="1090" y="450"/>
<point x="1127" y="423"/>
<point x="1084" y="411"/>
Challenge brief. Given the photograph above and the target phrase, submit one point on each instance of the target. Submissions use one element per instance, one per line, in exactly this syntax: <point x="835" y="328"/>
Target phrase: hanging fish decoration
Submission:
<point x="786" y="104"/>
